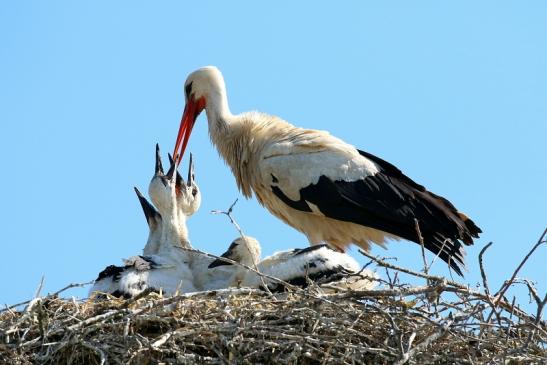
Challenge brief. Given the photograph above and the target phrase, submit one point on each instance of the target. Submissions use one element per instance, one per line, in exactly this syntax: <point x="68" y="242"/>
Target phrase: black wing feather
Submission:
<point x="110" y="271"/>
<point x="390" y="201"/>
<point x="325" y="276"/>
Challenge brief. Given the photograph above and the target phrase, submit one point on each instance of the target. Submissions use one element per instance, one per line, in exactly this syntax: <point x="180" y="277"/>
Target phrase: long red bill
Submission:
<point x="186" y="124"/>
<point x="189" y="116"/>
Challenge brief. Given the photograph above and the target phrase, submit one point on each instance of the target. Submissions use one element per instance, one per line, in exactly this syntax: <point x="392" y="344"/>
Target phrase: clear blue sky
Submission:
<point x="454" y="93"/>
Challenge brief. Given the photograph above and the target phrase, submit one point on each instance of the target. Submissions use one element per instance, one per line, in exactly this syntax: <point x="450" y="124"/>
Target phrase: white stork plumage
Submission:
<point x="169" y="264"/>
<point x="163" y="265"/>
<point x="319" y="264"/>
<point x="320" y="185"/>
<point x="244" y="250"/>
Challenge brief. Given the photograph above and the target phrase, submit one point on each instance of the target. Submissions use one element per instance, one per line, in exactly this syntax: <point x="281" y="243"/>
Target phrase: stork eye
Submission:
<point x="194" y="192"/>
<point x="188" y="89"/>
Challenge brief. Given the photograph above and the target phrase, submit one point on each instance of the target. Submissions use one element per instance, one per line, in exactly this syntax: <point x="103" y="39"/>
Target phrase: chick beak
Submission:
<point x="150" y="213"/>
<point x="180" y="180"/>
<point x="191" y="172"/>
<point x="171" y="174"/>
<point x="159" y="166"/>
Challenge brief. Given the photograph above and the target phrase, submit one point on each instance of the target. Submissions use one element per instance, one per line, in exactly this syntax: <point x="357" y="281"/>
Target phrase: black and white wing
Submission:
<point x="358" y="187"/>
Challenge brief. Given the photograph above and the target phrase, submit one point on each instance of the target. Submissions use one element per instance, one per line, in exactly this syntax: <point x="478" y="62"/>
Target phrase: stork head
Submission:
<point x="188" y="194"/>
<point x="170" y="193"/>
<point x="203" y="88"/>
<point x="249" y="250"/>
<point x="245" y="250"/>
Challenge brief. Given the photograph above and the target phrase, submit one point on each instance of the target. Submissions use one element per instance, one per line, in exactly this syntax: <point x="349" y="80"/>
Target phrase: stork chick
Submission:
<point x="243" y="250"/>
<point x="164" y="266"/>
<point x="299" y="267"/>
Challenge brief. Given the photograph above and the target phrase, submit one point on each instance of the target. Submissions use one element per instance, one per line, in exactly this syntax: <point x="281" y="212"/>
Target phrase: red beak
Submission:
<point x="189" y="116"/>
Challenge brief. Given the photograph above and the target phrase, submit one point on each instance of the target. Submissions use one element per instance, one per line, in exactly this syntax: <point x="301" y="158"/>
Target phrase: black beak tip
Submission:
<point x="190" y="180"/>
<point x="171" y="171"/>
<point x="217" y="263"/>
<point x="159" y="166"/>
<point x="180" y="180"/>
<point x="137" y="191"/>
<point x="150" y="213"/>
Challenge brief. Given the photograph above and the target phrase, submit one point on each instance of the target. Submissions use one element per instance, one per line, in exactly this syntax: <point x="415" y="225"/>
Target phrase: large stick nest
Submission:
<point x="439" y="322"/>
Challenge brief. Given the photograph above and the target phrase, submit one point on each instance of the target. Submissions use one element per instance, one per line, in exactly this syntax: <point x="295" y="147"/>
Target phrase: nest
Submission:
<point x="436" y="323"/>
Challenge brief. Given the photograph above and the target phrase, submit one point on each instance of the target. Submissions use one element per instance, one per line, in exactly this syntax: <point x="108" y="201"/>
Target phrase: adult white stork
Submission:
<point x="317" y="183"/>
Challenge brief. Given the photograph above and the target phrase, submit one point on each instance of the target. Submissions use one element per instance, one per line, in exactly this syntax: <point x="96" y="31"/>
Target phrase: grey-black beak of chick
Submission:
<point x="150" y="213"/>
<point x="229" y="254"/>
<point x="190" y="180"/>
<point x="172" y="171"/>
<point x="180" y="180"/>
<point x="159" y="166"/>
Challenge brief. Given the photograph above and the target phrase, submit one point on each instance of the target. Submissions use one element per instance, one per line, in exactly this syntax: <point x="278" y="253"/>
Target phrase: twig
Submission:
<point x="461" y="288"/>
<point x="228" y="213"/>
<point x="422" y="245"/>
<point x="508" y="283"/>
<point x="101" y="353"/>
<point x="40" y="286"/>
<point x="410" y="272"/>
<point x="533" y="291"/>
<point x="483" y="272"/>
<point x="505" y="286"/>
<point x="70" y="286"/>
<point x="439" y="253"/>
<point x="486" y="288"/>
<point x="425" y="343"/>
<point x="541" y="306"/>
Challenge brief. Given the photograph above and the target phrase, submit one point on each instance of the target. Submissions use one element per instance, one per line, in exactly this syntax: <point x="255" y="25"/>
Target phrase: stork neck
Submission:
<point x="184" y="239"/>
<point x="173" y="231"/>
<point x="217" y="106"/>
<point x="230" y="135"/>
<point x="251" y="256"/>
<point x="217" y="110"/>
<point x="250" y="260"/>
<point x="153" y="242"/>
